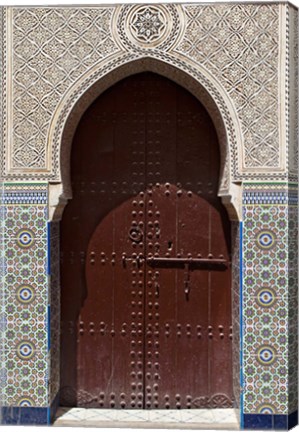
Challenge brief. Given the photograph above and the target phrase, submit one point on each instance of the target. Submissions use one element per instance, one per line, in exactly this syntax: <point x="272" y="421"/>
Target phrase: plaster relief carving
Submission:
<point x="84" y="91"/>
<point x="52" y="47"/>
<point x="293" y="92"/>
<point x="239" y="44"/>
<point x="148" y="24"/>
<point x="142" y="28"/>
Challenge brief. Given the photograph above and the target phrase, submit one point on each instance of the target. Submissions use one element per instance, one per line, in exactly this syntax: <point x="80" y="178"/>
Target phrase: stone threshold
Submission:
<point x="224" y="419"/>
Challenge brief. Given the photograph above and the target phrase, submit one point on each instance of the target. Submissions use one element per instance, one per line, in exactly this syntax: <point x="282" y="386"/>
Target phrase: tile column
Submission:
<point x="25" y="304"/>
<point x="269" y="305"/>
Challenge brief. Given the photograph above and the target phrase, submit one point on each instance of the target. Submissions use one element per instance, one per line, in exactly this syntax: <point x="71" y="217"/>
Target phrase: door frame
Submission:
<point x="217" y="103"/>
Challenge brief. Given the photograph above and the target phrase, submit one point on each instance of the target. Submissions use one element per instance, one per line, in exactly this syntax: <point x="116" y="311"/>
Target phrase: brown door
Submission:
<point x="145" y="248"/>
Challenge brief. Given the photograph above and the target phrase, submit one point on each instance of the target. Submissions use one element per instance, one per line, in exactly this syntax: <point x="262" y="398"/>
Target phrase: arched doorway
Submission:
<point x="145" y="246"/>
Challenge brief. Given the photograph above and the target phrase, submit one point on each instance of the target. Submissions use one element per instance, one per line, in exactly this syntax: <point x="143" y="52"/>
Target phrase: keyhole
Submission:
<point x="170" y="245"/>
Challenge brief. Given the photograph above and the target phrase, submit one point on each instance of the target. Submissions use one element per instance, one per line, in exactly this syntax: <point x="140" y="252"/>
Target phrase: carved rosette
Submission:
<point x="149" y="26"/>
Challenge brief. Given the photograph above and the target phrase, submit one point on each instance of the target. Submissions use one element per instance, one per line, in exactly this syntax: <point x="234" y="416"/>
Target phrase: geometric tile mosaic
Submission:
<point x="24" y="299"/>
<point x="266" y="250"/>
<point x="293" y="304"/>
<point x="235" y="230"/>
<point x="54" y="286"/>
<point x="29" y="268"/>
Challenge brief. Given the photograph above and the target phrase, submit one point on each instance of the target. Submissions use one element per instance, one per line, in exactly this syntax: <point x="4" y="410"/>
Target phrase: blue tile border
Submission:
<point x="24" y="416"/>
<point x="29" y="415"/>
<point x="257" y="421"/>
<point x="43" y="416"/>
<point x="265" y="197"/>
<point x="49" y="248"/>
<point x="241" y="323"/>
<point x="280" y="422"/>
<point x="274" y="193"/>
<point x="25" y="193"/>
<point x="20" y="198"/>
<point x="270" y="421"/>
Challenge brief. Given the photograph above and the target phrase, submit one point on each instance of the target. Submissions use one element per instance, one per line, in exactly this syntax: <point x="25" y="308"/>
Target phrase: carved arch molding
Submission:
<point x="91" y="86"/>
<point x="229" y="56"/>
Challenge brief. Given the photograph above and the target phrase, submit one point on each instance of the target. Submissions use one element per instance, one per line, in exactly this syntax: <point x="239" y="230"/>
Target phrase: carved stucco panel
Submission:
<point x="240" y="45"/>
<point x="53" y="47"/>
<point x="2" y="87"/>
<point x="292" y="82"/>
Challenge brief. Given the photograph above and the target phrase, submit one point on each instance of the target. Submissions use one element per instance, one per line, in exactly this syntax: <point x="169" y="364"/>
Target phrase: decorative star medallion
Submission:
<point x="148" y="24"/>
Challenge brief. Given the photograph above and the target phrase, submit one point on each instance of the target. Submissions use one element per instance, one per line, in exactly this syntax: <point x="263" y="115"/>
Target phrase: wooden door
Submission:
<point x="145" y="246"/>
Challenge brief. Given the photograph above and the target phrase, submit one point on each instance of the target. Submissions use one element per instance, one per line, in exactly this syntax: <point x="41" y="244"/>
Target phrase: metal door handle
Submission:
<point x="188" y="264"/>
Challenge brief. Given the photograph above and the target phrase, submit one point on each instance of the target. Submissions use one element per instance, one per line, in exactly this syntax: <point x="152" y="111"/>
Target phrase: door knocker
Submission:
<point x="136" y="234"/>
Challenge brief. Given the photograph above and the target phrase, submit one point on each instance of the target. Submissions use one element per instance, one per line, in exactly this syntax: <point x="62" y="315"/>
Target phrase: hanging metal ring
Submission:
<point x="136" y="235"/>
